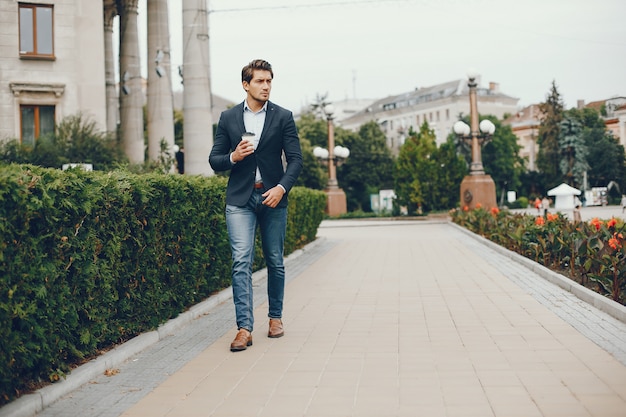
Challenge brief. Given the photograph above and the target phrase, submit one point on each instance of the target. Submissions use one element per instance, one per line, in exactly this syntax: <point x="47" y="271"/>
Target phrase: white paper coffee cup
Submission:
<point x="248" y="137"/>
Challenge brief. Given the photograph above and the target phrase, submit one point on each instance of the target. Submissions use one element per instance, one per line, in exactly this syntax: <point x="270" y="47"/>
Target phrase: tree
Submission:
<point x="369" y="167"/>
<point x="501" y="158"/>
<point x="452" y="170"/>
<point x="532" y="184"/>
<point x="549" y="155"/>
<point x="413" y="157"/>
<point x="315" y="130"/>
<point x="605" y="156"/>
<point x="573" y="151"/>
<point x="312" y="132"/>
<point x="427" y="177"/>
<point x="313" y="174"/>
<point x="179" y="123"/>
<point x="318" y="108"/>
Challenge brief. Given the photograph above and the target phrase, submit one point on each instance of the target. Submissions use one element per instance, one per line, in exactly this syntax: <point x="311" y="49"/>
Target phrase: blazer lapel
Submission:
<point x="269" y="117"/>
<point x="240" y="123"/>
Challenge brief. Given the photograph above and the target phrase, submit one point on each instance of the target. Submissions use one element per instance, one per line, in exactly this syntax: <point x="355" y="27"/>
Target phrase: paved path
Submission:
<point x="383" y="319"/>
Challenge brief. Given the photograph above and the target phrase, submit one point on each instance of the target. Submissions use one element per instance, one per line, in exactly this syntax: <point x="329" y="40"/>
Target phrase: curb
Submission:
<point x="31" y="404"/>
<point x="604" y="304"/>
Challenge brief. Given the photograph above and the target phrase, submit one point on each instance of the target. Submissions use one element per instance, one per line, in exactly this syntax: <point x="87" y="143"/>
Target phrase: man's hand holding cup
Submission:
<point x="245" y="147"/>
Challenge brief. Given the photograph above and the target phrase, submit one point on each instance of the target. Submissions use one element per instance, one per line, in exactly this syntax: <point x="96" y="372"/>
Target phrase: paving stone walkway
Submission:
<point x="385" y="318"/>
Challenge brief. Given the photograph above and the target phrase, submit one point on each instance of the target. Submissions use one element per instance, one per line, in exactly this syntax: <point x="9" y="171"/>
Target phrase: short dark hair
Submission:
<point x="257" y="64"/>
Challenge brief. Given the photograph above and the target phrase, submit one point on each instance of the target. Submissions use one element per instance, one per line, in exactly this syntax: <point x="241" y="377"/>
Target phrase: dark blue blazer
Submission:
<point x="279" y="135"/>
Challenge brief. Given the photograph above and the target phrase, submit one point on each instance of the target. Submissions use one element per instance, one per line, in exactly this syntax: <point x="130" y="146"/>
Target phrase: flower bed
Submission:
<point x="591" y="253"/>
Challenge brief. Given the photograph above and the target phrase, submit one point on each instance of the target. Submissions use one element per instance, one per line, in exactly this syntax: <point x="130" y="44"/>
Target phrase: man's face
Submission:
<point x="259" y="86"/>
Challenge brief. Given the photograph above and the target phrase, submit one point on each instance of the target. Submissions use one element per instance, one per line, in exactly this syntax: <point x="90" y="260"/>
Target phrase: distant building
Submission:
<point x="525" y="125"/>
<point x="343" y="109"/>
<point x="613" y="111"/>
<point x="440" y="105"/>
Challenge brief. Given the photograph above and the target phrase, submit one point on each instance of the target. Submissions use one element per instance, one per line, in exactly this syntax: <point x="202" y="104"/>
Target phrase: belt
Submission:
<point x="258" y="185"/>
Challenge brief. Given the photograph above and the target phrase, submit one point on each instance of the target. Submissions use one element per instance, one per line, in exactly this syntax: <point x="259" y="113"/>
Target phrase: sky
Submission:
<point x="368" y="49"/>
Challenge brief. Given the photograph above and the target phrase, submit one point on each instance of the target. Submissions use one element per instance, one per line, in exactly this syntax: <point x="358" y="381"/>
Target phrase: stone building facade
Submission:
<point x="47" y="72"/>
<point x="57" y="59"/>
<point x="525" y="125"/>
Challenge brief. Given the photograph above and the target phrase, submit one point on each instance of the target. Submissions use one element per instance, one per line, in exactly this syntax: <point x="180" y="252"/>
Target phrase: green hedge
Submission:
<point x="90" y="259"/>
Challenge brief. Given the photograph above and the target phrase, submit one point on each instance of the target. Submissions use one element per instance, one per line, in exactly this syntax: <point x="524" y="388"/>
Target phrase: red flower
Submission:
<point x="614" y="242"/>
<point x="552" y="217"/>
<point x="495" y="211"/>
<point x="596" y="222"/>
<point x="465" y="208"/>
<point x="478" y="205"/>
<point x="540" y="221"/>
<point x="611" y="223"/>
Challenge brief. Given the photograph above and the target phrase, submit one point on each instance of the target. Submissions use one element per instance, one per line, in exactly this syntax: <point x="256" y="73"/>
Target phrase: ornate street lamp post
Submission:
<point x="477" y="188"/>
<point x="333" y="157"/>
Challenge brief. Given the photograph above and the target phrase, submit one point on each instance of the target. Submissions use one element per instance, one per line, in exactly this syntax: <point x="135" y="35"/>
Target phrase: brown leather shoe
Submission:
<point x="242" y="341"/>
<point x="276" y="328"/>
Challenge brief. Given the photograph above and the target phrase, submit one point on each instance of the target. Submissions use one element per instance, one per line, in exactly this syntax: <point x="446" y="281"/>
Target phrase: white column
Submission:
<point x="112" y="102"/>
<point x="198" y="124"/>
<point x="160" y="106"/>
<point x="131" y="95"/>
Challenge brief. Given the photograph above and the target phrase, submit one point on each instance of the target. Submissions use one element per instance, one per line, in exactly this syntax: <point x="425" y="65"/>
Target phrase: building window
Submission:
<point x="35" y="121"/>
<point x="36" y="31"/>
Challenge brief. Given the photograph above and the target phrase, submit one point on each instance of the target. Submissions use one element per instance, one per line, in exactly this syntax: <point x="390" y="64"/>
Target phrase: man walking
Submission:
<point x="250" y="141"/>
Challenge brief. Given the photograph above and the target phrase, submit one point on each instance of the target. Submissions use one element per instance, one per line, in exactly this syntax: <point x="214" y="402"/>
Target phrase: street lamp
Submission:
<point x="333" y="157"/>
<point x="477" y="188"/>
<point x="476" y="139"/>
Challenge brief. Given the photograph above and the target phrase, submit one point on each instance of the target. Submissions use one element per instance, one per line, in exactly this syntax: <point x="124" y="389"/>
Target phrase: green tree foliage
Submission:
<point x="573" y="151"/>
<point x="425" y="176"/>
<point x="179" y="122"/>
<point x="313" y="129"/>
<point x="532" y="184"/>
<point x="369" y="167"/>
<point x="313" y="174"/>
<point x="453" y="169"/>
<point x="605" y="156"/>
<point x="313" y="132"/>
<point x="75" y="140"/>
<point x="410" y="165"/>
<point x="549" y="155"/>
<point x="501" y="158"/>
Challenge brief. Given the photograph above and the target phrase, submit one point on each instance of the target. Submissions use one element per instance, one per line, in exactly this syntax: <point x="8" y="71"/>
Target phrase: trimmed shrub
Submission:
<point x="90" y="259"/>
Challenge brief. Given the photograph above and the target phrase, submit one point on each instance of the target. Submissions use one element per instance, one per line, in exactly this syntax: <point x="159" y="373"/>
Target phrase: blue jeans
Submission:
<point x="242" y="224"/>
